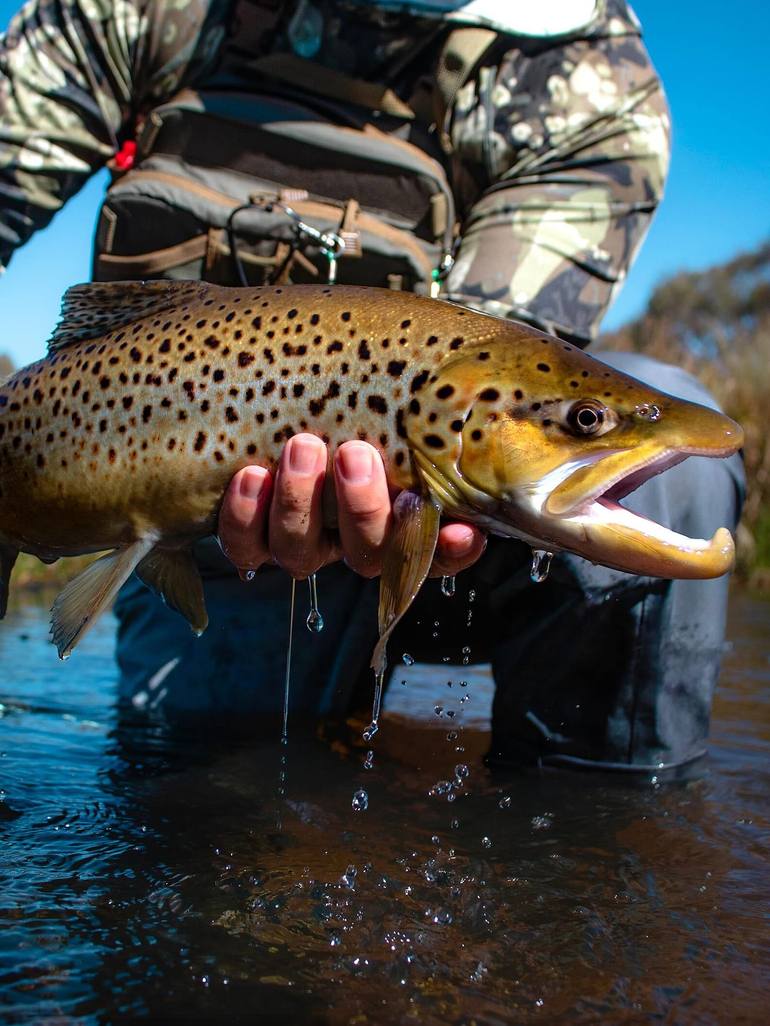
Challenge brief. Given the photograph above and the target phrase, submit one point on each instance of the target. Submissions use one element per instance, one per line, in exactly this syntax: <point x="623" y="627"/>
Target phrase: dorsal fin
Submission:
<point x="95" y="308"/>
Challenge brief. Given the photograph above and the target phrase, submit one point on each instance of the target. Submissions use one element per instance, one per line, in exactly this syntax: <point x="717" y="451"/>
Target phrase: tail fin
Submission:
<point x="8" y="556"/>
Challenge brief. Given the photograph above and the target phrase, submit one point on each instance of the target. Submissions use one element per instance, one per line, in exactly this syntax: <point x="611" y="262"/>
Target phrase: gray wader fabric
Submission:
<point x="593" y="667"/>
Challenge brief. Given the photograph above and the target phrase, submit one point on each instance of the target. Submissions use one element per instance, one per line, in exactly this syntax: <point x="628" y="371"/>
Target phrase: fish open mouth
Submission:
<point x="616" y="536"/>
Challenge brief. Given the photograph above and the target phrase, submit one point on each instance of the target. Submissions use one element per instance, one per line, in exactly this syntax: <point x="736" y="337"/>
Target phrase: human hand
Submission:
<point x="281" y="520"/>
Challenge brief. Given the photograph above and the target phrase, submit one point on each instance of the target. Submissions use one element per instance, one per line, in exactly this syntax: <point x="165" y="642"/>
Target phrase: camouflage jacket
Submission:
<point x="560" y="147"/>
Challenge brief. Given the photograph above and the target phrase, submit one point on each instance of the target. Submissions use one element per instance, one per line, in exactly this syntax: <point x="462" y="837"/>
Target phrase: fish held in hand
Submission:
<point x="153" y="395"/>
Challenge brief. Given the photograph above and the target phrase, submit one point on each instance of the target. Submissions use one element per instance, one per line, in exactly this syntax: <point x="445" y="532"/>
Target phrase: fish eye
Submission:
<point x="586" y="417"/>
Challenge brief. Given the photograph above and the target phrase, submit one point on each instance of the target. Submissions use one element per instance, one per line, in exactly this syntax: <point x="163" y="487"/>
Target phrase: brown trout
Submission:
<point x="153" y="395"/>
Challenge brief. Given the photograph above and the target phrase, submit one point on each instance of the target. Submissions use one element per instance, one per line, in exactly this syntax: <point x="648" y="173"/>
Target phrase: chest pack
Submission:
<point x="312" y="180"/>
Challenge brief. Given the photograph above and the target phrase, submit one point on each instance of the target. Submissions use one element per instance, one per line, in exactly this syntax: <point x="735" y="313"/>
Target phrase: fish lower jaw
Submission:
<point x="616" y="536"/>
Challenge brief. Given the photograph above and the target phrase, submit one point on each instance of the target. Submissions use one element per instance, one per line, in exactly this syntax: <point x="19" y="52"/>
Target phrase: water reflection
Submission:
<point x="144" y="875"/>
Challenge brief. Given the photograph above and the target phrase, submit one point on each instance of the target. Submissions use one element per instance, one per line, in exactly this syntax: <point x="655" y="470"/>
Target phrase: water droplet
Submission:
<point x="360" y="801"/>
<point x="541" y="564"/>
<point x="369" y="760"/>
<point x="461" y="772"/>
<point x="486" y="842"/>
<point x="246" y="575"/>
<point x="407" y="660"/>
<point x="455" y="824"/>
<point x="334" y="940"/>
<point x="542" y="822"/>
<point x="472" y="595"/>
<point x="452" y="735"/>
<point x="505" y="803"/>
<point x="443" y="917"/>
<point x="374" y="726"/>
<point x="315" y="622"/>
<point x="438" y="709"/>
<point x="448" y="585"/>
<point x="348" y="878"/>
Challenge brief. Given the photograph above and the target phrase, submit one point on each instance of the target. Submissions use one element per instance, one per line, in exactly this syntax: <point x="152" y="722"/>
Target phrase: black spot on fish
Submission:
<point x="218" y="374"/>
<point x="434" y="441"/>
<point x="212" y="342"/>
<point x="445" y="392"/>
<point x="128" y="402"/>
<point x="483" y="356"/>
<point x="346" y="315"/>
<point x="200" y="441"/>
<point x="364" y="352"/>
<point x="146" y="413"/>
<point x="231" y="415"/>
<point x="135" y="354"/>
<point x="543" y="367"/>
<point x="518" y="394"/>
<point x="414" y="406"/>
<point x="334" y="347"/>
<point x="244" y="359"/>
<point x="395" y="368"/>
<point x="418" y="381"/>
<point x="298" y="389"/>
<point x="377" y="403"/>
<point x="251" y="449"/>
<point x="457" y="342"/>
<point x="490" y="395"/>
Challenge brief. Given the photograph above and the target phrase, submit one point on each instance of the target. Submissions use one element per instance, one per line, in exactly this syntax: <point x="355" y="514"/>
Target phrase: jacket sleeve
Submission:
<point x="565" y="151"/>
<point x="74" y="76"/>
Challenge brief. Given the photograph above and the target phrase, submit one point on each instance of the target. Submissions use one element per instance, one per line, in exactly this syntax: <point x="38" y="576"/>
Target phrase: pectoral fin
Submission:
<point x="408" y="558"/>
<point x="91" y="592"/>
<point x="173" y="574"/>
<point x="8" y="556"/>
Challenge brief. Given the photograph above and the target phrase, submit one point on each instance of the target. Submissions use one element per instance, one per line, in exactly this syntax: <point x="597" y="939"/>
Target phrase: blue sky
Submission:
<point x="712" y="57"/>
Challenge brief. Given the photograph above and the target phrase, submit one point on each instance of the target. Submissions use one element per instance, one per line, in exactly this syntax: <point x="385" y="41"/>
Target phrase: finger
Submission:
<point x="296" y="535"/>
<point x="459" y="546"/>
<point x="363" y="506"/>
<point x="243" y="518"/>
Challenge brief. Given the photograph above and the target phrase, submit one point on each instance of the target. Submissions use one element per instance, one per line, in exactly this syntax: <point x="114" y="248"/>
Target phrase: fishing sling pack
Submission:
<point x="287" y="185"/>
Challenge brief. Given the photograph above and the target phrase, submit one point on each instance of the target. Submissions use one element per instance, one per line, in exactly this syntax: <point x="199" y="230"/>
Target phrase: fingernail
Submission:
<point x="252" y="481"/>
<point x="356" y="464"/>
<point x="303" y="455"/>
<point x="463" y="544"/>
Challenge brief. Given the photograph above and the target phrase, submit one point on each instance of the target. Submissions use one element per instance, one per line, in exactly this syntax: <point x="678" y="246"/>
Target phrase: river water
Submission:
<point x="145" y="877"/>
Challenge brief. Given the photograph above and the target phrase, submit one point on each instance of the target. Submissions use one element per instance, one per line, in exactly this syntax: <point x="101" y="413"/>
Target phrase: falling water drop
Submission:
<point x="315" y="622"/>
<point x="448" y="586"/>
<point x="541" y="564"/>
<point x="287" y="680"/>
<point x="360" y="801"/>
<point x="374" y="726"/>
<point x="369" y="760"/>
<point x="407" y="660"/>
<point x="246" y="575"/>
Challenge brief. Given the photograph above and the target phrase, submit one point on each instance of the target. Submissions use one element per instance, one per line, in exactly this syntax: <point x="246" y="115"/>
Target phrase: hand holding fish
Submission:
<point x="282" y="521"/>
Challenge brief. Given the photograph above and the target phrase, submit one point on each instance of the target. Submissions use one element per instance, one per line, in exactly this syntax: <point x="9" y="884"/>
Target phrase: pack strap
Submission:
<point x="332" y="84"/>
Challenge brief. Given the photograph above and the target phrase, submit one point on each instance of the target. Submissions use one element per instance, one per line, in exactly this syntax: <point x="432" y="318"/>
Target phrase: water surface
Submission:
<point x="144" y="876"/>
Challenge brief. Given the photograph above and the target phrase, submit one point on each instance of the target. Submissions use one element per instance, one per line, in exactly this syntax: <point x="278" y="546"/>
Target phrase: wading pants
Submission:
<point x="592" y="667"/>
